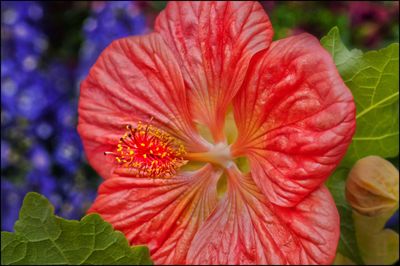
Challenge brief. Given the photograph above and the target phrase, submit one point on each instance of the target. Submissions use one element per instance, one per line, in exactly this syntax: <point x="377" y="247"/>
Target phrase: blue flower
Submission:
<point x="107" y="22"/>
<point x="43" y="129"/>
<point x="22" y="93"/>
<point x="69" y="150"/>
<point x="40" y="159"/>
<point x="32" y="100"/>
<point x="39" y="104"/>
<point x="11" y="201"/>
<point x="41" y="182"/>
<point x="67" y="115"/>
<point x="61" y="83"/>
<point x="76" y="202"/>
<point x="21" y="36"/>
<point x="5" y="153"/>
<point x="24" y="100"/>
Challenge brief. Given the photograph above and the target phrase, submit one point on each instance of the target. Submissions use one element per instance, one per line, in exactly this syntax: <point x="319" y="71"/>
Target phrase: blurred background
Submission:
<point x="47" y="48"/>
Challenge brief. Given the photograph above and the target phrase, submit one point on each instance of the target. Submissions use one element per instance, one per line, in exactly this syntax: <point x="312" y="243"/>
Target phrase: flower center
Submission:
<point x="218" y="154"/>
<point x="149" y="151"/>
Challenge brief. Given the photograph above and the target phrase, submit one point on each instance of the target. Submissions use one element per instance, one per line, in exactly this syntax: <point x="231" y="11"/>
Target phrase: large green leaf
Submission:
<point x="348" y="243"/>
<point x="42" y="238"/>
<point x="373" y="78"/>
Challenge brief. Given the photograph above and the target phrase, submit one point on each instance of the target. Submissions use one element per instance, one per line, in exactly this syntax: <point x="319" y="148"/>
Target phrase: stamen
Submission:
<point x="149" y="152"/>
<point x="219" y="154"/>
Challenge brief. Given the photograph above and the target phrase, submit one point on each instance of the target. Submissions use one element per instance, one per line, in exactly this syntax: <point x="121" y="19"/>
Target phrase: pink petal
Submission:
<point x="295" y="118"/>
<point x="214" y="42"/>
<point x="161" y="213"/>
<point x="133" y="80"/>
<point x="246" y="228"/>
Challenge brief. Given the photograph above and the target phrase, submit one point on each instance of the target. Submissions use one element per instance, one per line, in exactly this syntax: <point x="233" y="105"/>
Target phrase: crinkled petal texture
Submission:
<point x="214" y="42"/>
<point x="182" y="222"/>
<point x="135" y="79"/>
<point x="246" y="228"/>
<point x="295" y="119"/>
<point x="164" y="214"/>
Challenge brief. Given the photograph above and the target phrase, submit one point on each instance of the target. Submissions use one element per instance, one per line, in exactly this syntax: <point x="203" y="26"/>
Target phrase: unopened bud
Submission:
<point x="372" y="187"/>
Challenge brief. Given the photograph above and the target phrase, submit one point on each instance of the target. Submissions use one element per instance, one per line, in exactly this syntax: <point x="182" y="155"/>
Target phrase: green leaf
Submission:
<point x="373" y="78"/>
<point x="42" y="238"/>
<point x="347" y="243"/>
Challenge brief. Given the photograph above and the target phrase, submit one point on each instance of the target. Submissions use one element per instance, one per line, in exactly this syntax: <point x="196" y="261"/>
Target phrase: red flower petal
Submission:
<point x="246" y="228"/>
<point x="214" y="42"/>
<point x="295" y="119"/>
<point x="164" y="214"/>
<point x="134" y="79"/>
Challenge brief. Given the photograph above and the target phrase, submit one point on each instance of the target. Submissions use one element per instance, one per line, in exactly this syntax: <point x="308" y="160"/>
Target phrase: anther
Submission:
<point x="149" y="151"/>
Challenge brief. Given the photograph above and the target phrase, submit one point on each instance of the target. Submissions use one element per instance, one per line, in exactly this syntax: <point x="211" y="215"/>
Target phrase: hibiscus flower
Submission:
<point x="188" y="197"/>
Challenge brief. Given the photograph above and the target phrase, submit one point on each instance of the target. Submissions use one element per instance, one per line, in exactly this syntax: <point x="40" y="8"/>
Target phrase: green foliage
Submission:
<point x="314" y="17"/>
<point x="42" y="238"/>
<point x="373" y="79"/>
<point x="158" y="5"/>
<point x="348" y="243"/>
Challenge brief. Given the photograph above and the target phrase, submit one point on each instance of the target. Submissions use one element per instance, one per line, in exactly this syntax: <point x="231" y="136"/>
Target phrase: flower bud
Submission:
<point x="372" y="187"/>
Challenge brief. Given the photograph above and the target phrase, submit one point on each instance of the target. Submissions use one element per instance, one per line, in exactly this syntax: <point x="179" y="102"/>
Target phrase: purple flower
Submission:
<point x="32" y="101"/>
<point x="76" y="203"/>
<point x="11" y="201"/>
<point x="39" y="105"/>
<point x="41" y="182"/>
<point x="5" y="153"/>
<point x="108" y="21"/>
<point x="364" y="11"/>
<point x="67" y="115"/>
<point x="43" y="129"/>
<point x="40" y="159"/>
<point x="69" y="150"/>
<point x="22" y="93"/>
